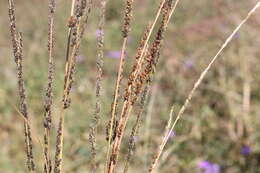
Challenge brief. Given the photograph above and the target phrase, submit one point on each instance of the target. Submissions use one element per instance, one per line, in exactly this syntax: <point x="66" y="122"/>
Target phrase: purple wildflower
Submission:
<point x="172" y="134"/>
<point x="204" y="164"/>
<point x="188" y="64"/>
<point x="245" y="150"/>
<point x="114" y="54"/>
<point x="209" y="167"/>
<point x="99" y="32"/>
<point x="237" y="35"/>
<point x="136" y="138"/>
<point x="80" y="58"/>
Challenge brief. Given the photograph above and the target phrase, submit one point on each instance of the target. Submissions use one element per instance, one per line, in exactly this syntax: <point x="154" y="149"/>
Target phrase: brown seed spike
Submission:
<point x="127" y="17"/>
<point x="17" y="44"/>
<point x="72" y="21"/>
<point x="48" y="100"/>
<point x="99" y="68"/>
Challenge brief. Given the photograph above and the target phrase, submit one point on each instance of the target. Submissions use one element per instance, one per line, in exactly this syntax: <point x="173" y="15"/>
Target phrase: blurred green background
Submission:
<point x="221" y="126"/>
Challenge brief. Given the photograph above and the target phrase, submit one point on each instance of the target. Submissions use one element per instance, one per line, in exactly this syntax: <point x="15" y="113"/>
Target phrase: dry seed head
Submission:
<point x="18" y="57"/>
<point x="83" y="4"/>
<point x="59" y="145"/>
<point x="133" y="76"/>
<point x="49" y="92"/>
<point x="80" y="8"/>
<point x="153" y="54"/>
<point x="77" y="32"/>
<point x="23" y="105"/>
<point x="72" y="21"/>
<point x="115" y="124"/>
<point x="142" y="43"/>
<point x="78" y="11"/>
<point x="74" y="36"/>
<point x="127" y="17"/>
<point x="151" y="58"/>
<point x="52" y="5"/>
<point x="99" y="67"/>
<point x="48" y="100"/>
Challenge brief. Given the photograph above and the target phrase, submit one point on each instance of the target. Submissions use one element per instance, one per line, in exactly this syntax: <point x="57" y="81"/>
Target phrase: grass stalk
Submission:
<point x="99" y="66"/>
<point x="125" y="32"/>
<point x="17" y="43"/>
<point x="135" y="129"/>
<point x="49" y="91"/>
<point x="147" y="124"/>
<point x="76" y="24"/>
<point x="163" y="142"/>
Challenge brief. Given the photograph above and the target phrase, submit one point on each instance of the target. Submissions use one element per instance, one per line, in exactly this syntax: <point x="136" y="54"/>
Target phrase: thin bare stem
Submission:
<point x="163" y="142"/>
<point x="135" y="129"/>
<point x="148" y="119"/>
<point x="35" y="137"/>
<point x="116" y="93"/>
<point x="203" y="74"/>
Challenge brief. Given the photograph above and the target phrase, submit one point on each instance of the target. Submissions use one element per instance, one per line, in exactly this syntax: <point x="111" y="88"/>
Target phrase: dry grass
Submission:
<point x="136" y="90"/>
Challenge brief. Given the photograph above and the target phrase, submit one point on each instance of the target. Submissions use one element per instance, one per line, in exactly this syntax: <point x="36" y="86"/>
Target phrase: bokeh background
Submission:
<point x="221" y="127"/>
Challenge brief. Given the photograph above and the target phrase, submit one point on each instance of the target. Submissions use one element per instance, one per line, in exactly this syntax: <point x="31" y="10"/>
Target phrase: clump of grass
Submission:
<point x="137" y="87"/>
<point x="141" y="80"/>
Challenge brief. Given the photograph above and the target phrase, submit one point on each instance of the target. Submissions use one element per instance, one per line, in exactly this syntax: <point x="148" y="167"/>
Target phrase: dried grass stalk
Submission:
<point x="163" y="142"/>
<point x="135" y="129"/>
<point x="49" y="91"/>
<point x="80" y="10"/>
<point x="125" y="32"/>
<point x="99" y="64"/>
<point x="17" y="44"/>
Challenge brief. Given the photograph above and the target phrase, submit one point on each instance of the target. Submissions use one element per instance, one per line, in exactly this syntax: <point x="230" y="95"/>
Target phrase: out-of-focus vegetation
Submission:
<point x="221" y="126"/>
